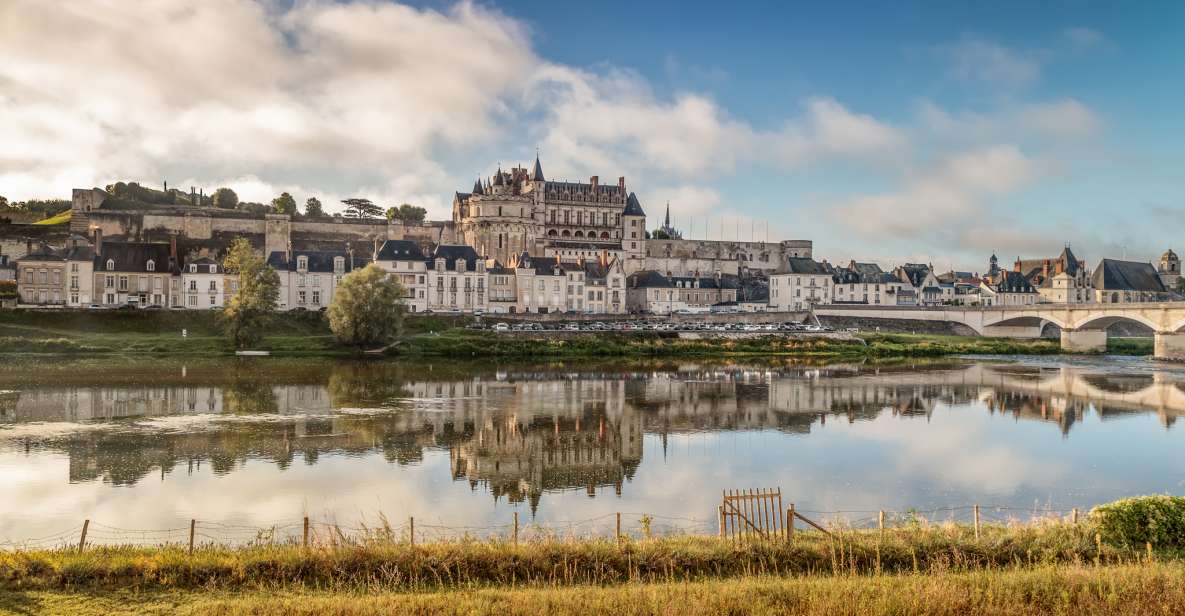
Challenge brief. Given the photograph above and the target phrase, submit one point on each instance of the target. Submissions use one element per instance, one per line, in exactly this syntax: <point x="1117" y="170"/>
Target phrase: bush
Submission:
<point x="1137" y="521"/>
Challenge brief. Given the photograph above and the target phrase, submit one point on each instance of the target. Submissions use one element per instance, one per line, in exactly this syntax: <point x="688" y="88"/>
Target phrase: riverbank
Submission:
<point x="919" y="568"/>
<point x="1157" y="588"/>
<point x="198" y="333"/>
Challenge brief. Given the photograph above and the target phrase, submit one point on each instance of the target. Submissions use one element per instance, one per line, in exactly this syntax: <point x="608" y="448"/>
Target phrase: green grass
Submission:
<point x="60" y="218"/>
<point x="1129" y="346"/>
<point x="923" y="345"/>
<point x="1076" y="590"/>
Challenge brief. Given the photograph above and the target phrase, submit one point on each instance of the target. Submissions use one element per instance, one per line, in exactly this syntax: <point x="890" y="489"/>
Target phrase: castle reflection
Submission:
<point x="516" y="433"/>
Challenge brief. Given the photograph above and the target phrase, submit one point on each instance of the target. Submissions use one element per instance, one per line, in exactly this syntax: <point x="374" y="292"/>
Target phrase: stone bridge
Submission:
<point x="1083" y="326"/>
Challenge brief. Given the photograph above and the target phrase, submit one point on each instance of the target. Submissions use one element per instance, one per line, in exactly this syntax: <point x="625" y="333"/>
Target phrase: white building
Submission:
<point x="203" y="285"/>
<point x="456" y="280"/>
<point x="404" y="260"/>
<point x="308" y="278"/>
<point x="804" y="284"/>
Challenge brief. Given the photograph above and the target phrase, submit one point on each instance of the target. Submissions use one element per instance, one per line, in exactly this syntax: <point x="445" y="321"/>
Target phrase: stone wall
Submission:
<point x="899" y="326"/>
<point x="685" y="257"/>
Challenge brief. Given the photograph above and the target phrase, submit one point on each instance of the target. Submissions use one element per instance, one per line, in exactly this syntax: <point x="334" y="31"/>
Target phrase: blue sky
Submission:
<point x="889" y="131"/>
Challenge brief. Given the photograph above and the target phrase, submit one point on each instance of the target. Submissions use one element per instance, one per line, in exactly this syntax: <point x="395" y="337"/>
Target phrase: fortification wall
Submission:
<point x="765" y="256"/>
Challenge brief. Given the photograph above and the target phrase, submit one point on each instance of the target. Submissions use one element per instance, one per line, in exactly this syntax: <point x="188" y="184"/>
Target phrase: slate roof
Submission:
<point x="537" y="174"/>
<point x="648" y="279"/>
<point x="451" y="253"/>
<point x="1116" y="275"/>
<point x="400" y="250"/>
<point x="914" y="273"/>
<point x="804" y="265"/>
<point x="81" y="252"/>
<point x="706" y="282"/>
<point x="320" y="261"/>
<point x="632" y="207"/>
<point x="134" y="257"/>
<point x="203" y="264"/>
<point x="1012" y="282"/>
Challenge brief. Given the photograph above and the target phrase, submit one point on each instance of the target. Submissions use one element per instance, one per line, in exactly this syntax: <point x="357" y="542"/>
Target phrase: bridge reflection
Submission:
<point x="520" y="432"/>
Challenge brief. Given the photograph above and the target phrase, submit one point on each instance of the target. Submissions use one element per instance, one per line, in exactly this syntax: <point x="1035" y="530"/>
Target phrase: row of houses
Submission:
<point x="1062" y="279"/>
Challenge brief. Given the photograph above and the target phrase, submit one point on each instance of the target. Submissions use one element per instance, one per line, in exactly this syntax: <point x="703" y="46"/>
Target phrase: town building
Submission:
<point x="1040" y="271"/>
<point x="57" y="277"/>
<point x="404" y="260"/>
<point x="7" y="269"/>
<point x="651" y="292"/>
<point x="805" y="284"/>
<point x="1121" y="282"/>
<point x="456" y="280"/>
<point x="308" y="278"/>
<point x="865" y="283"/>
<point x="204" y="285"/>
<point x="1170" y="270"/>
<point x="135" y="273"/>
<point x="1007" y="289"/>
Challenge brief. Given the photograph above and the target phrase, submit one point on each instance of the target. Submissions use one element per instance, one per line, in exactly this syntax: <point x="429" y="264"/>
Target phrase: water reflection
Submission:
<point x="517" y="433"/>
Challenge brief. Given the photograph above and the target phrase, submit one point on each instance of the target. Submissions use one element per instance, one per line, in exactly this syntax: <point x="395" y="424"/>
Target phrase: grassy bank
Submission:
<point x="466" y="343"/>
<point x="1078" y="590"/>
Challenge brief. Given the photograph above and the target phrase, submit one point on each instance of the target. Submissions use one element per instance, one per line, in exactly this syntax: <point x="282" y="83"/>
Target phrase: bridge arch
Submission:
<point x="1105" y="321"/>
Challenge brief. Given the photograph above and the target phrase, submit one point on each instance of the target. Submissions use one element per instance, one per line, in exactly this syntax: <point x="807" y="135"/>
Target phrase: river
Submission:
<point x="140" y="447"/>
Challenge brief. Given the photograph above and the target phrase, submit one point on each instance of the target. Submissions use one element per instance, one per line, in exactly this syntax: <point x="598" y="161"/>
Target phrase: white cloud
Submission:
<point x="951" y="193"/>
<point x="338" y="96"/>
<point x="1065" y="118"/>
<point x="988" y="62"/>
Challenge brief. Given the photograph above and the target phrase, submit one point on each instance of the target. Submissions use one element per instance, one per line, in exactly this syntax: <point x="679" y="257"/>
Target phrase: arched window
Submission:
<point x="604" y="235"/>
<point x="552" y="233"/>
<point x="566" y="233"/>
<point x="579" y="233"/>
<point x="110" y="264"/>
<point x="151" y="265"/>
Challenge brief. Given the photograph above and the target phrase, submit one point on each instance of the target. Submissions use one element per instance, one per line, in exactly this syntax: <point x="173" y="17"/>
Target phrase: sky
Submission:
<point x="911" y="131"/>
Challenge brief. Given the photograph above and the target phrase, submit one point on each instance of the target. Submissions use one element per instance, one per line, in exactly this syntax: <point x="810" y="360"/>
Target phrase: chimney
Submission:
<point x="173" y="262"/>
<point x="621" y="184"/>
<point x="98" y="240"/>
<point x="594" y="180"/>
<point x="1045" y="269"/>
<point x="28" y="245"/>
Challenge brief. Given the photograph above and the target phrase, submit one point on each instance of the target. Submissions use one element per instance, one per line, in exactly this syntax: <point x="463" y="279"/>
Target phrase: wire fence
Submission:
<point x="618" y="525"/>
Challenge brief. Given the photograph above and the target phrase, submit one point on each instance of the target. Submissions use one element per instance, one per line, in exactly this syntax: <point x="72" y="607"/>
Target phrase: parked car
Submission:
<point x="501" y="327"/>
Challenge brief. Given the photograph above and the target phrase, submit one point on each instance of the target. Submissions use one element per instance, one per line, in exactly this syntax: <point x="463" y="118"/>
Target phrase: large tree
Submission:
<point x="408" y="214"/>
<point x="226" y="199"/>
<point x="248" y="312"/>
<point x="361" y="208"/>
<point x="284" y="204"/>
<point x="367" y="308"/>
<point x="312" y="208"/>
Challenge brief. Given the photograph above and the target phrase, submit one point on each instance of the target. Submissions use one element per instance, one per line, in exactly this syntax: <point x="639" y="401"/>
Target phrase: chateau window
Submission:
<point x="193" y="285"/>
<point x="302" y="264"/>
<point x="110" y="264"/>
<point x="151" y="265"/>
<point x="213" y="269"/>
<point x="74" y="267"/>
<point x="192" y="269"/>
<point x="339" y="265"/>
<point x="213" y="286"/>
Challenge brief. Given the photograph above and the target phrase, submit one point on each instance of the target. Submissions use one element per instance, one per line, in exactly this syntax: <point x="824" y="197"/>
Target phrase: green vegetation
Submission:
<point x="284" y="204"/>
<point x="1129" y="346"/>
<point x="361" y="208"/>
<point x="948" y="568"/>
<point x="1079" y="590"/>
<point x="930" y="345"/>
<point x="407" y="214"/>
<point x="226" y="199"/>
<point x="248" y="314"/>
<point x="312" y="208"/>
<point x="61" y="218"/>
<point x="366" y="309"/>
<point x="1155" y="520"/>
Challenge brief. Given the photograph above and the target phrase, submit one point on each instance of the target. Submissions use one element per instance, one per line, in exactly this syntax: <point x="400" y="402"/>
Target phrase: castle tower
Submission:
<point x="1170" y="269"/>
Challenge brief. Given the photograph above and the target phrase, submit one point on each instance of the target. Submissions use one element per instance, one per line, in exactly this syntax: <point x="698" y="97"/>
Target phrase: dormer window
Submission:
<point x="192" y="269"/>
<point x="213" y="269"/>
<point x="460" y="265"/>
<point x="302" y="264"/>
<point x="151" y="265"/>
<point x="339" y="265"/>
<point x="440" y="264"/>
<point x="110" y="265"/>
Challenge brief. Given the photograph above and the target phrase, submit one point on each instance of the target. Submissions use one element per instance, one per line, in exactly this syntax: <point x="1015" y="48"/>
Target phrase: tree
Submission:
<point x="659" y="234"/>
<point x="284" y="204"/>
<point x="312" y="208"/>
<point x="408" y="214"/>
<point x="367" y="308"/>
<point x="3" y="202"/>
<point x="226" y="199"/>
<point x="362" y="208"/>
<point x="248" y="312"/>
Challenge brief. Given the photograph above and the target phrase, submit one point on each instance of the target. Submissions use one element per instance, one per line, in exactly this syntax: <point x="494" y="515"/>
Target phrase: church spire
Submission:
<point x="537" y="174"/>
<point x="477" y="190"/>
<point x="667" y="222"/>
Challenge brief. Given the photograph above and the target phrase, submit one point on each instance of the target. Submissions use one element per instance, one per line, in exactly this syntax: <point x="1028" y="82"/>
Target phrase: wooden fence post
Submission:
<point x="306" y="531"/>
<point x="192" y="528"/>
<point x="880" y="520"/>
<point x="977" y="522"/>
<point x="618" y="529"/>
<point x="790" y="522"/>
<point x="720" y="510"/>
<point x="411" y="526"/>
<point x="86" y="524"/>
<point x="1074" y="516"/>
<point x="515" y="529"/>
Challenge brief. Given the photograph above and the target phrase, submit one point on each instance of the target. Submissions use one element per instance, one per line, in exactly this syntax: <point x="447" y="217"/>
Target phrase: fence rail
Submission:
<point x="610" y="526"/>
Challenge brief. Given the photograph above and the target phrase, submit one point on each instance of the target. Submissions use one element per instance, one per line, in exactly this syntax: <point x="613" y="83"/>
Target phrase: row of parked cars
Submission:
<point x="651" y="326"/>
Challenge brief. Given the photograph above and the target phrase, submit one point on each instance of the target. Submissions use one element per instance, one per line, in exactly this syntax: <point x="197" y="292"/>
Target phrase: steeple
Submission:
<point x="498" y="177"/>
<point x="667" y="222"/>
<point x="477" y="190"/>
<point x="537" y="174"/>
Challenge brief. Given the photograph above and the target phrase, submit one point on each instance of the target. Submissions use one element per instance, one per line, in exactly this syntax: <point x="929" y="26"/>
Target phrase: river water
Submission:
<point x="142" y="447"/>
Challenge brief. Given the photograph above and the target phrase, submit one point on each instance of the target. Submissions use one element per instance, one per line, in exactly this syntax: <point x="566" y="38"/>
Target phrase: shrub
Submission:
<point x="1136" y="521"/>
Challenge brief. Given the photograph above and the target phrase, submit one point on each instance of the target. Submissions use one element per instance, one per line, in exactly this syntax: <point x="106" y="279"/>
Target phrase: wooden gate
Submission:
<point x="753" y="514"/>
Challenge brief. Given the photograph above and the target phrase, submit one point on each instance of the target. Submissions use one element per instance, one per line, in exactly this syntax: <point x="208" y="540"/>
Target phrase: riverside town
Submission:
<point x="386" y="306"/>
